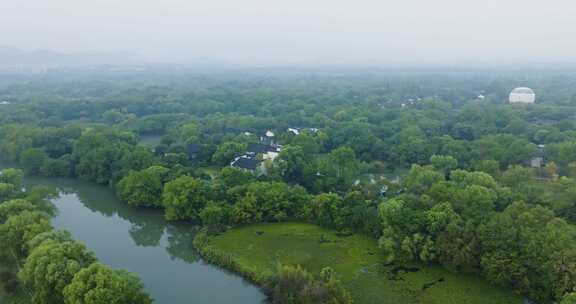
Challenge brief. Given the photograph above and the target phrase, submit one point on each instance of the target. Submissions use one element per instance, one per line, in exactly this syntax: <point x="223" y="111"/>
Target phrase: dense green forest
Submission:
<point x="433" y="163"/>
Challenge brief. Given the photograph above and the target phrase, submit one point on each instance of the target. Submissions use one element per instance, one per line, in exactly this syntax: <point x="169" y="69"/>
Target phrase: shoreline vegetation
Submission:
<point x="286" y="284"/>
<point x="39" y="264"/>
<point x="259" y="249"/>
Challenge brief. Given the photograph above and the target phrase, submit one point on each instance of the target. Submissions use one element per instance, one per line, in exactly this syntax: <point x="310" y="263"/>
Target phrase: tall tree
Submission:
<point x="18" y="229"/>
<point x="51" y="266"/>
<point x="143" y="188"/>
<point x="184" y="198"/>
<point x="98" y="284"/>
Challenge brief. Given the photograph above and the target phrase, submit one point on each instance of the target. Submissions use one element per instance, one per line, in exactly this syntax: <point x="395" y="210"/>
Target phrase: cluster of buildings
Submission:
<point x="297" y="131"/>
<point x="257" y="154"/>
<point x="266" y="151"/>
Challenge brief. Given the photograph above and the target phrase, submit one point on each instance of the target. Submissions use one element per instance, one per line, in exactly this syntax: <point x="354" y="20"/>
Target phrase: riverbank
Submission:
<point x="141" y="241"/>
<point x="254" y="251"/>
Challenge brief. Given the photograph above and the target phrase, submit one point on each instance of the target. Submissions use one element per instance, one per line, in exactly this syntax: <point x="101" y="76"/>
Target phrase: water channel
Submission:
<point x="141" y="241"/>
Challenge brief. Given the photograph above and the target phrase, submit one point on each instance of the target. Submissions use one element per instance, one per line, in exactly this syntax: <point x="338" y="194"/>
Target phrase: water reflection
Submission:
<point x="147" y="226"/>
<point x="146" y="234"/>
<point x="141" y="241"/>
<point x="179" y="244"/>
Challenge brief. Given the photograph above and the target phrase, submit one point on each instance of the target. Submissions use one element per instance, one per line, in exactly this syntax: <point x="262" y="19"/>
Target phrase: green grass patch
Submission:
<point x="357" y="261"/>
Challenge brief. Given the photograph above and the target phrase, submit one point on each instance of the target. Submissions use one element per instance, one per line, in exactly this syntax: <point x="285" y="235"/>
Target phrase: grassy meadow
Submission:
<point x="355" y="258"/>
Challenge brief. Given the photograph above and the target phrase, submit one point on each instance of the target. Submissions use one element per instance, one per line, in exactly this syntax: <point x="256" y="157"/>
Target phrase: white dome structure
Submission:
<point x="522" y="95"/>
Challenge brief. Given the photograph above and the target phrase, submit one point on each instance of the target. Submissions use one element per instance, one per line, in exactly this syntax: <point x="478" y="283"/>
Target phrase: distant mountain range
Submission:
<point x="10" y="56"/>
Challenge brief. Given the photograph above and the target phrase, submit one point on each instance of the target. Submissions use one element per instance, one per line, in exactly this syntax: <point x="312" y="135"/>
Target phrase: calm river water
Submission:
<point x="141" y="241"/>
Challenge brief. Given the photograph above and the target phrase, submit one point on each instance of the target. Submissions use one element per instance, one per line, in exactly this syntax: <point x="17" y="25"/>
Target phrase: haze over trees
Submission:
<point x="414" y="159"/>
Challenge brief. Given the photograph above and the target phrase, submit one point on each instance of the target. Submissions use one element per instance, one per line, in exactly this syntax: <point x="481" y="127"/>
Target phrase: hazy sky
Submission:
<point x="300" y="31"/>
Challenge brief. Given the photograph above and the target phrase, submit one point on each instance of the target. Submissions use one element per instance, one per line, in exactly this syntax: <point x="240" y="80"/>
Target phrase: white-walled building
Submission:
<point x="522" y="95"/>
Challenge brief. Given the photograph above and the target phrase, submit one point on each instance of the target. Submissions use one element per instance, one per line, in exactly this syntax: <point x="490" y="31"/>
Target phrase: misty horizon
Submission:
<point x="257" y="32"/>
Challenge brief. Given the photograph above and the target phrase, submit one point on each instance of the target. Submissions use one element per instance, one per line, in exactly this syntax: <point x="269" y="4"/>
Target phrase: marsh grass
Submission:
<point x="255" y="250"/>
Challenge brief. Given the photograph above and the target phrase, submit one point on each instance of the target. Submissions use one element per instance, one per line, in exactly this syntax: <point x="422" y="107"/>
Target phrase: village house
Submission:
<point x="257" y="155"/>
<point x="537" y="161"/>
<point x="268" y="138"/>
<point x="246" y="162"/>
<point x="266" y="152"/>
<point x="297" y="131"/>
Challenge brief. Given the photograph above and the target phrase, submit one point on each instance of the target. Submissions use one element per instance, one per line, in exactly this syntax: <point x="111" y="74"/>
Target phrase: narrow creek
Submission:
<point x="141" y="241"/>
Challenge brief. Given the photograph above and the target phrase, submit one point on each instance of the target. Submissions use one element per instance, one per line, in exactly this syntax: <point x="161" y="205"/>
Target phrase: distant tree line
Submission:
<point x="470" y="201"/>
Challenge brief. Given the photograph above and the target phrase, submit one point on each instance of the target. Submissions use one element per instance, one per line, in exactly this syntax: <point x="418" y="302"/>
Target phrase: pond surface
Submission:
<point x="141" y="241"/>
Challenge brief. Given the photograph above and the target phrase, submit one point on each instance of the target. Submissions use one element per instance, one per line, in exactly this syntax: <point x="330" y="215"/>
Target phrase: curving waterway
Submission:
<point x="141" y="241"/>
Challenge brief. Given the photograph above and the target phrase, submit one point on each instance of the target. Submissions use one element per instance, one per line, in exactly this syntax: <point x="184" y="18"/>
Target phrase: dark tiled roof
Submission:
<point x="244" y="162"/>
<point x="258" y="148"/>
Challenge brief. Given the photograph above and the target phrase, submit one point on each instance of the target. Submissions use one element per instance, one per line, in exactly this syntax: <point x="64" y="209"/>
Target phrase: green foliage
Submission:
<point x="58" y="236"/>
<point x="139" y="158"/>
<point x="507" y="149"/>
<point x="32" y="160"/>
<point x="327" y="209"/>
<point x="420" y="179"/>
<point x="99" y="155"/>
<point x="98" y="284"/>
<point x="292" y="285"/>
<point x="14" y="207"/>
<point x="267" y="201"/>
<point x="410" y="147"/>
<point x="489" y="166"/>
<point x="113" y="116"/>
<point x="184" y="198"/>
<point x="12" y="176"/>
<point x="397" y="119"/>
<point x="143" y="188"/>
<point x="59" y="167"/>
<point x="20" y="228"/>
<point x="558" y="195"/>
<point x="7" y="191"/>
<point x="562" y="153"/>
<point x="51" y="258"/>
<point x="215" y="215"/>
<point x="189" y="133"/>
<point x="569" y="299"/>
<point x="40" y="196"/>
<point x="466" y="179"/>
<point x="245" y="211"/>
<point x="227" y="151"/>
<point x="400" y="238"/>
<point x="458" y="223"/>
<point x="310" y="143"/>
<point x="51" y="266"/>
<point x="9" y="283"/>
<point x="230" y="177"/>
<point x="443" y="163"/>
<point x="254" y="251"/>
<point x="291" y="163"/>
<point x="541" y="253"/>
<point x="517" y="176"/>
<point x="337" y="171"/>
